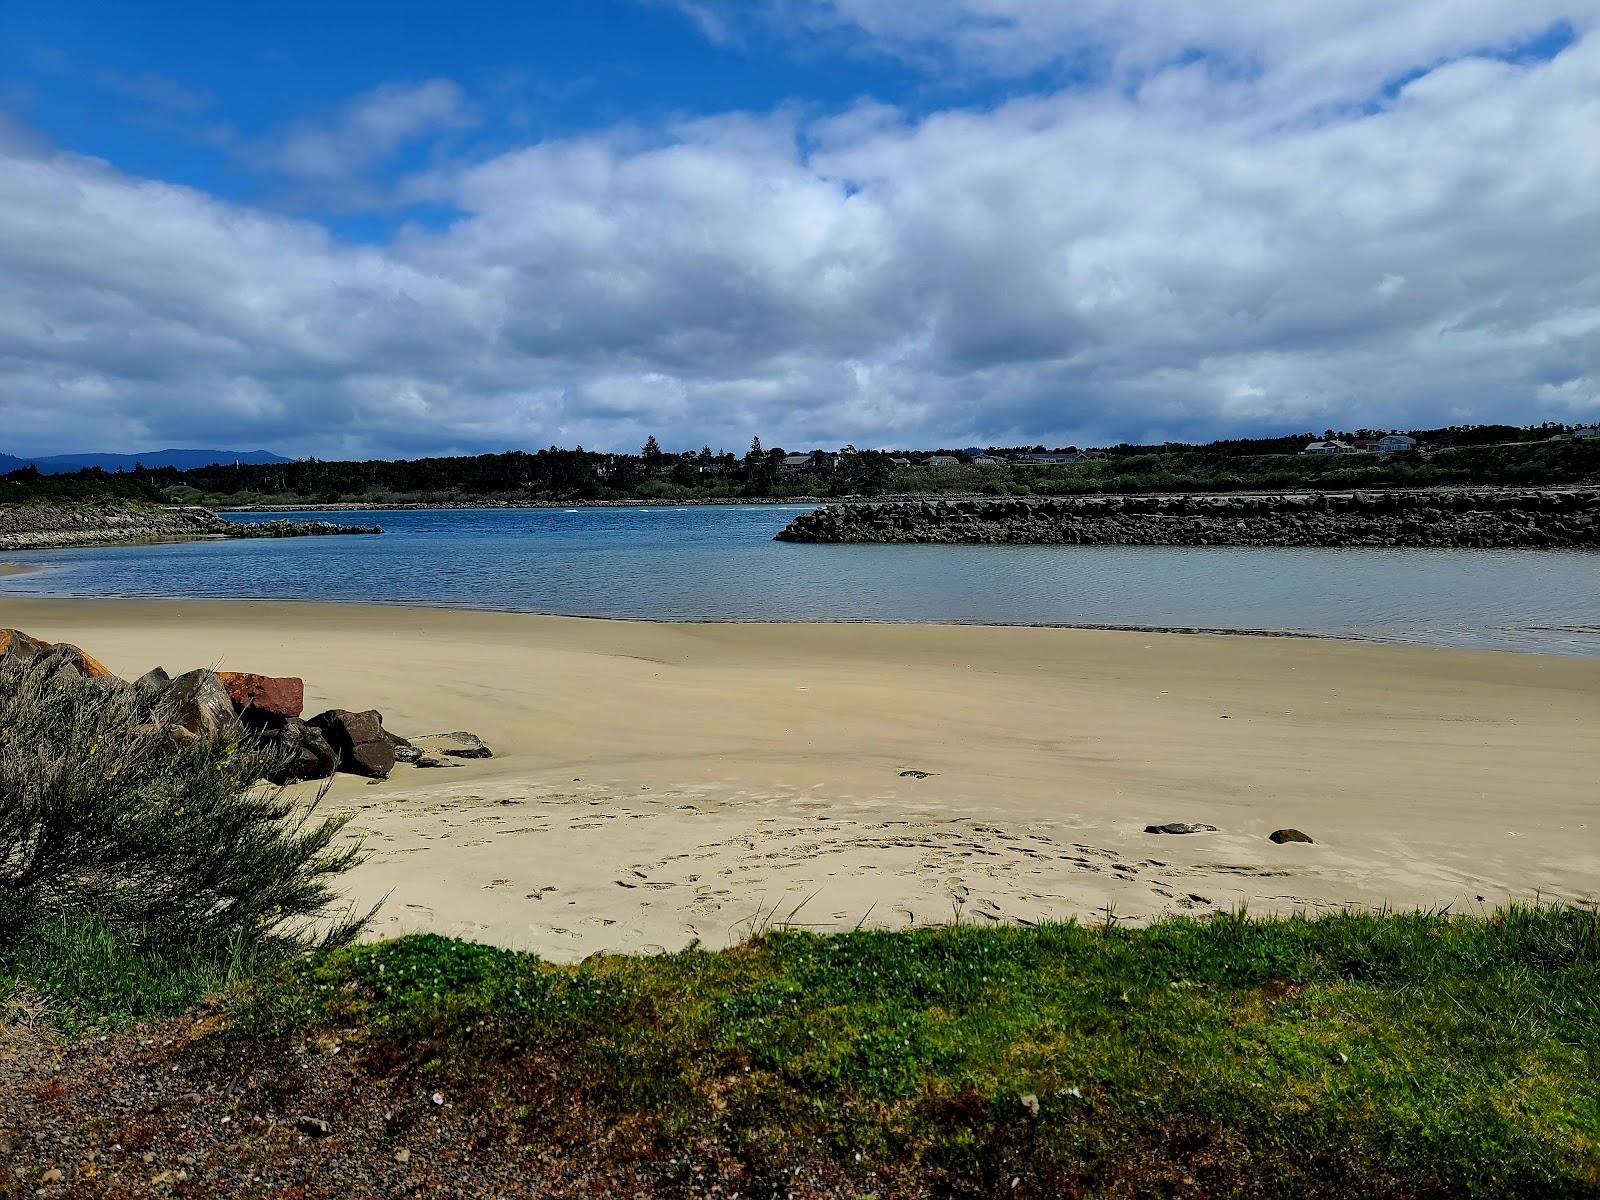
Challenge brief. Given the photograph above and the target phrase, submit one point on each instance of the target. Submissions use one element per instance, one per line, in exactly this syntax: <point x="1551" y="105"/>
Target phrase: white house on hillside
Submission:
<point x="1332" y="447"/>
<point x="942" y="460"/>
<point x="1394" y="443"/>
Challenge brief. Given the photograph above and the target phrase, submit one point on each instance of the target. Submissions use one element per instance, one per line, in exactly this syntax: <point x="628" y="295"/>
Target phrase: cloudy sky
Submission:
<point x="406" y="228"/>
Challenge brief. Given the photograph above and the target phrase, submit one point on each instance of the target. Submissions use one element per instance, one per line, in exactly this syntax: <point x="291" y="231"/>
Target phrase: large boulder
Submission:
<point x="264" y="695"/>
<point x="17" y="648"/>
<point x="306" y="754"/>
<point x="198" y="703"/>
<point x="359" y="740"/>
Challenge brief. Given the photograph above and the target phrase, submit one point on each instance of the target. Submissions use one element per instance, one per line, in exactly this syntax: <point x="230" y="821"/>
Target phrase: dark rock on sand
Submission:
<point x="306" y="754"/>
<point x="459" y="744"/>
<point x="404" y="751"/>
<point x="197" y="703"/>
<point x="1180" y="827"/>
<point x="1288" y="835"/>
<point x="431" y="759"/>
<point x="153" y="682"/>
<point x="359" y="740"/>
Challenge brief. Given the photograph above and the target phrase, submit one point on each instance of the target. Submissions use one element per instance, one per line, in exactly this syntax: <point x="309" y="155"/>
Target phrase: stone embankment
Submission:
<point x="1501" y="517"/>
<point x="47" y="526"/>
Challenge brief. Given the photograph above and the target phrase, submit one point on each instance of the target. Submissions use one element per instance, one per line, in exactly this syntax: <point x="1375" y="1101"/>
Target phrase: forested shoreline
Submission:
<point x="579" y="476"/>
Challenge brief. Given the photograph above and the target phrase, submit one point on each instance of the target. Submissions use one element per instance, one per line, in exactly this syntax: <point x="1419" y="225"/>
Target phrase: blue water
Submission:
<point x="719" y="563"/>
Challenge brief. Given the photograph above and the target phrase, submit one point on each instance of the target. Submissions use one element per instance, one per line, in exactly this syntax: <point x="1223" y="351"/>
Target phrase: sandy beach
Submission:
<point x="655" y="784"/>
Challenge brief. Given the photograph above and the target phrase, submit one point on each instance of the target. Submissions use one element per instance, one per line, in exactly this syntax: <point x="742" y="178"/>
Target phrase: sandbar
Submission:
<point x="659" y="784"/>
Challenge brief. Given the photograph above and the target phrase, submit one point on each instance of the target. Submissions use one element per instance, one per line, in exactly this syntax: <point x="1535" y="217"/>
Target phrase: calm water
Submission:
<point x="720" y="564"/>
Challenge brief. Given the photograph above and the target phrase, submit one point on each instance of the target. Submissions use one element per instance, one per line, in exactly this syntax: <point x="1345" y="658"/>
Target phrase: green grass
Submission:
<point x="1354" y="1054"/>
<point x="89" y="975"/>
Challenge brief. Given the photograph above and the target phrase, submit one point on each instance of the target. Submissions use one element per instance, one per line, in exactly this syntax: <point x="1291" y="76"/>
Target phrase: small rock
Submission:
<point x="53" y="1175"/>
<point x="915" y="774"/>
<point x="431" y="759"/>
<point x="1289" y="835"/>
<point x="1340" y="1058"/>
<point x="313" y="1126"/>
<point x="1180" y="827"/>
<point x="402" y="1155"/>
<point x="153" y="682"/>
<point x="1031" y="1103"/>
<point x="438" y="1098"/>
<point x="459" y="744"/>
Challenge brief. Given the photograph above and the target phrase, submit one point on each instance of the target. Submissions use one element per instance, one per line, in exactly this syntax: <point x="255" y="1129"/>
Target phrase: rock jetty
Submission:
<point x="1501" y="517"/>
<point x="50" y="526"/>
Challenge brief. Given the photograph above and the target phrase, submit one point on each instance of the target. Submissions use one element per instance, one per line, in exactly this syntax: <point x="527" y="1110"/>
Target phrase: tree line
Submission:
<point x="1476" y="455"/>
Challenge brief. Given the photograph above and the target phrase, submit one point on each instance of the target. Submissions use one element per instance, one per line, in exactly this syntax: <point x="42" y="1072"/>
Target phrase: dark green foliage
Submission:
<point x="1473" y="455"/>
<point x="1352" y="1054"/>
<point x="105" y="812"/>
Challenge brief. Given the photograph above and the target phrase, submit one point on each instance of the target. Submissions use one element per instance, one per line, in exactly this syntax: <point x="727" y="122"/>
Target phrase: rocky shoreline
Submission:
<point x="57" y="526"/>
<point x="1505" y="518"/>
<point x="261" y="711"/>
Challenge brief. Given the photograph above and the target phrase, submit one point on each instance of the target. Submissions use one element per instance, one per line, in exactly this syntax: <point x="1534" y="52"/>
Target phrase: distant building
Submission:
<point x="1396" y="443"/>
<point x="987" y="460"/>
<point x="1329" y="447"/>
<point x="817" y="460"/>
<point x="900" y="462"/>
<point x="1072" y="456"/>
<point x="1365" y="444"/>
<point x="1586" y="431"/>
<point x="942" y="460"/>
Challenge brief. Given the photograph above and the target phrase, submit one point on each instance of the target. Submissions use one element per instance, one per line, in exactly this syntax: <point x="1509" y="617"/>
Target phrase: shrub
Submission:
<point x="104" y="812"/>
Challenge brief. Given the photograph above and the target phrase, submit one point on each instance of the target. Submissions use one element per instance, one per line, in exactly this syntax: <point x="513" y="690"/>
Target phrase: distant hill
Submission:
<point x="57" y="464"/>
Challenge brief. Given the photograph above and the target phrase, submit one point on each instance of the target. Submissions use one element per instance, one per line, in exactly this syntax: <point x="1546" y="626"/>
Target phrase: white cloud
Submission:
<point x="370" y="128"/>
<point x="1196" y="253"/>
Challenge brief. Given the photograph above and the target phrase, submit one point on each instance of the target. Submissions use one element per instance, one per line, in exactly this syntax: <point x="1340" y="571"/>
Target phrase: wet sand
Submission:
<point x="655" y="783"/>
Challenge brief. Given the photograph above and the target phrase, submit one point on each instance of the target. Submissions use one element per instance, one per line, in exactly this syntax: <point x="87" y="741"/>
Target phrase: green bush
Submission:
<point x="105" y="812"/>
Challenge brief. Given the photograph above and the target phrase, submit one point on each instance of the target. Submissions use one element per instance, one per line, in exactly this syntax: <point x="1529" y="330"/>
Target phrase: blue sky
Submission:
<point x="170" y="89"/>
<point x="404" y="228"/>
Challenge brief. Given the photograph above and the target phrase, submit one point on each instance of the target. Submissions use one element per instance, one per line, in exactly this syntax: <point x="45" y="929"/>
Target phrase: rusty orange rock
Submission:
<point x="90" y="666"/>
<point x="270" y="695"/>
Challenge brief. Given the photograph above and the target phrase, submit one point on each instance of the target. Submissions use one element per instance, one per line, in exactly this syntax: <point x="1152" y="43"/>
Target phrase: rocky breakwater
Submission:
<point x="53" y="526"/>
<point x="1502" y="518"/>
<point x="260" y="712"/>
<point x="41" y="526"/>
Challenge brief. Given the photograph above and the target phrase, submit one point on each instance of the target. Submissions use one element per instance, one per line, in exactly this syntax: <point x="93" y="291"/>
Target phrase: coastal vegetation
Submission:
<point x="172" y="943"/>
<point x="555" y="475"/>
<point x="1375" y="1054"/>
<point x="141" y="864"/>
